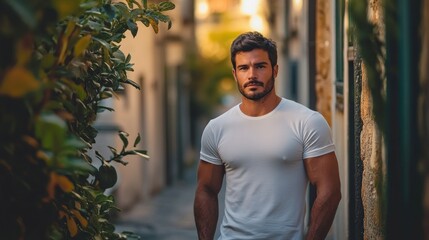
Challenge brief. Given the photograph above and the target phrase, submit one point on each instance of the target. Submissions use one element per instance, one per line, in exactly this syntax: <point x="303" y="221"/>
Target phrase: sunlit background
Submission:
<point x="217" y="24"/>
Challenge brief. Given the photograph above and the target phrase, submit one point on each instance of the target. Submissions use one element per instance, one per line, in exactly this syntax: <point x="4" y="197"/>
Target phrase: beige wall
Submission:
<point x="141" y="112"/>
<point x="324" y="80"/>
<point x="337" y="118"/>
<point x="144" y="111"/>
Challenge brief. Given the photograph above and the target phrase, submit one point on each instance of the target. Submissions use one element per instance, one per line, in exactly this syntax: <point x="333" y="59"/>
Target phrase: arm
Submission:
<point x="209" y="183"/>
<point x="323" y="173"/>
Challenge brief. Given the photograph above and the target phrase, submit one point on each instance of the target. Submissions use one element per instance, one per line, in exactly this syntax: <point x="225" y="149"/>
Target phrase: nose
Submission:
<point x="251" y="73"/>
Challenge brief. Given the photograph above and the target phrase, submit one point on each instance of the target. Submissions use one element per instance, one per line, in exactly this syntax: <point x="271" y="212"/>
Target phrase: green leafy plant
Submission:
<point x="60" y="59"/>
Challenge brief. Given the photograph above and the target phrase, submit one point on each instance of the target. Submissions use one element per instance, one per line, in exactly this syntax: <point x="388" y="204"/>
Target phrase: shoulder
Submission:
<point x="225" y="117"/>
<point x="297" y="110"/>
<point x="302" y="118"/>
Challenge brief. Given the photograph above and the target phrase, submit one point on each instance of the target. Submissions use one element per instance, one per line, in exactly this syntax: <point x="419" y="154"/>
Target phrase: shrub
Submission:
<point x="60" y="59"/>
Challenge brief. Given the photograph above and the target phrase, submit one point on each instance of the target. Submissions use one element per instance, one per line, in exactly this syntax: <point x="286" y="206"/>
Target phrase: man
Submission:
<point x="268" y="148"/>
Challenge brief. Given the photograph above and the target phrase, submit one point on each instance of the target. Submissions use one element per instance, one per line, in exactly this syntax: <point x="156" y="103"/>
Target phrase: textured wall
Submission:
<point x="371" y="150"/>
<point x="371" y="155"/>
<point x="324" y="80"/>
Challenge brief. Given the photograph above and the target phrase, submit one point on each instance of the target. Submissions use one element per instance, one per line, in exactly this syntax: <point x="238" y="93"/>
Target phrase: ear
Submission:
<point x="233" y="74"/>
<point x="275" y="70"/>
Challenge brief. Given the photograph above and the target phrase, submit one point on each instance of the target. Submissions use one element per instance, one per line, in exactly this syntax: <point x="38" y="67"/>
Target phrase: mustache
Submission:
<point x="253" y="82"/>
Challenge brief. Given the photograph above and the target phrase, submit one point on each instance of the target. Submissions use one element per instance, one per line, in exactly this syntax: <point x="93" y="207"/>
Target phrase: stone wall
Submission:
<point x="372" y="149"/>
<point x="372" y="176"/>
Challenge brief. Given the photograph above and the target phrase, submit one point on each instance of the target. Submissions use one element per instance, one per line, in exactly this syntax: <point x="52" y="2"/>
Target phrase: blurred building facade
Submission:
<point x="159" y="112"/>
<point x="319" y="67"/>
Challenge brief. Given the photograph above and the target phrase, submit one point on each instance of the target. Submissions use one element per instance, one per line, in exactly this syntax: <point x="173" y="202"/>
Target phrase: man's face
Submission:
<point x="254" y="74"/>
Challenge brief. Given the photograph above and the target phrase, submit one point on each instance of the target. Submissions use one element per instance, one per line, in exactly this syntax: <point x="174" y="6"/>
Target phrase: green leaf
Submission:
<point x="138" y="138"/>
<point x="93" y="25"/>
<point x="99" y="156"/>
<point x="132" y="26"/>
<point x="123" y="9"/>
<point x="165" y="6"/>
<point x="106" y="94"/>
<point x="123" y="136"/>
<point x="154" y="24"/>
<point x="71" y="25"/>
<point x="120" y="55"/>
<point x="90" y="131"/>
<point x="134" y="84"/>
<point x="78" y="165"/>
<point x="79" y="90"/>
<point x="17" y="82"/>
<point x="75" y="143"/>
<point x="101" y="198"/>
<point x="103" y="43"/>
<point x="145" y="21"/>
<point x="161" y="17"/>
<point x="135" y="13"/>
<point x="89" y="4"/>
<point x="81" y="106"/>
<point x="144" y="3"/>
<point x="48" y="61"/>
<point x="78" y="196"/>
<point x="128" y="58"/>
<point x="51" y="130"/>
<point x="113" y="150"/>
<point x="107" y="178"/>
<point x="81" y="45"/>
<point x="110" y="11"/>
<point x="130" y="3"/>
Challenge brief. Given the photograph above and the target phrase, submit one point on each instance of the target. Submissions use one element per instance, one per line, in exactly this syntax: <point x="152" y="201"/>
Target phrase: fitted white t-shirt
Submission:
<point x="264" y="170"/>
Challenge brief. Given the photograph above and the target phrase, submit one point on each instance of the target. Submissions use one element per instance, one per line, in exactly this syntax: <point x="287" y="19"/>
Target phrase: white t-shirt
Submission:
<point x="264" y="170"/>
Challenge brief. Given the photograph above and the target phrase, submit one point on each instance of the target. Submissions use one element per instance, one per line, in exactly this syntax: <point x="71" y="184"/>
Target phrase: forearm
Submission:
<point x="322" y="216"/>
<point x="206" y="214"/>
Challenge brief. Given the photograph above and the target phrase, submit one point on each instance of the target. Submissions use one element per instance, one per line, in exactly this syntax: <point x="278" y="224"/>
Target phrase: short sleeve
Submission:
<point x="209" y="148"/>
<point x="317" y="137"/>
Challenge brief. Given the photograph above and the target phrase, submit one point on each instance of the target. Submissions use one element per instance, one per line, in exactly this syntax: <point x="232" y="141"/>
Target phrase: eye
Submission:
<point x="243" y="68"/>
<point x="260" y="66"/>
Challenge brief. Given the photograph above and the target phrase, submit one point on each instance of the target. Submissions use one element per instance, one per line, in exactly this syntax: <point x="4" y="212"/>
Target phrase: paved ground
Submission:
<point x="167" y="216"/>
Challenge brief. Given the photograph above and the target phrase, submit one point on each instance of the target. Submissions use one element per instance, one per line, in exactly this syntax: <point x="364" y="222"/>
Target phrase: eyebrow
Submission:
<point x="256" y="64"/>
<point x="261" y="63"/>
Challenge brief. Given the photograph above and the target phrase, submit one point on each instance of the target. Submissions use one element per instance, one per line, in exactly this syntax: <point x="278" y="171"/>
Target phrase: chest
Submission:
<point x="260" y="143"/>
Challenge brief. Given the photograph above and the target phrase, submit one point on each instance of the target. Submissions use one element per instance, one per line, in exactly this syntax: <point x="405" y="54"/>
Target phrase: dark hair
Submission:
<point x="249" y="41"/>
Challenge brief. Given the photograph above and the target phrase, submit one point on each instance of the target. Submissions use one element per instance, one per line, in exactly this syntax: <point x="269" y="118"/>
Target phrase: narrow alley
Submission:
<point x="167" y="216"/>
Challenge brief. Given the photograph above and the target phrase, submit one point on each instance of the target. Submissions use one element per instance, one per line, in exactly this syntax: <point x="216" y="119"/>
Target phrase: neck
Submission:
<point x="255" y="108"/>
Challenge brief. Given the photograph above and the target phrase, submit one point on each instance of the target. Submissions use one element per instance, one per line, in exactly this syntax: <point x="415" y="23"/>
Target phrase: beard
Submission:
<point x="255" y="96"/>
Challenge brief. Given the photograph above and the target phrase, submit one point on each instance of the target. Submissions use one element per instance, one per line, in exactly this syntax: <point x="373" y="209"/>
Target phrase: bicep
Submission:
<point x="322" y="171"/>
<point x="210" y="177"/>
